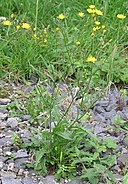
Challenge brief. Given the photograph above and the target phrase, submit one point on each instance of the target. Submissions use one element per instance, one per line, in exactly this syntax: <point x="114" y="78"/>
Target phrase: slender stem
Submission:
<point x="37" y="4"/>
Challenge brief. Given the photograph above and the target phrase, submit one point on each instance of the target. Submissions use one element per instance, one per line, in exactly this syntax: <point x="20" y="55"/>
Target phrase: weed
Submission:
<point x="68" y="40"/>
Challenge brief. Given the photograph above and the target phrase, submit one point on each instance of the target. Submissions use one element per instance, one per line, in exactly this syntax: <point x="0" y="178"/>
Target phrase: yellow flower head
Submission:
<point x="26" y="26"/>
<point x="98" y="12"/>
<point x="18" y="27"/>
<point x="45" y="31"/>
<point x="34" y="29"/>
<point x="96" y="28"/>
<point x="103" y="26"/>
<point x="97" y="23"/>
<point x="91" y="59"/>
<point x="35" y="36"/>
<point x="78" y="43"/>
<point x="92" y="6"/>
<point x="57" y="29"/>
<point x="93" y="15"/>
<point x="12" y="15"/>
<point x="81" y="14"/>
<point x="61" y="16"/>
<point x="7" y="23"/>
<point x="89" y="10"/>
<point x="121" y="16"/>
<point x="104" y="31"/>
<point x="45" y="41"/>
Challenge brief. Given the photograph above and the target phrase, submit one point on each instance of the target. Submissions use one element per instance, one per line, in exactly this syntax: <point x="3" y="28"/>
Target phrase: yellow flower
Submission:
<point x="26" y="26"/>
<point x="35" y="36"/>
<point x="45" y="40"/>
<point x="98" y="12"/>
<point x="81" y="14"/>
<point x="103" y="26"/>
<point x="12" y="15"/>
<point x="104" y="31"/>
<point x="91" y="59"/>
<point x="57" y="29"/>
<point x="7" y="23"/>
<point x="121" y="16"/>
<point x="92" y="6"/>
<point x="93" y="15"/>
<point x="78" y="43"/>
<point x="34" y="29"/>
<point x="45" y="31"/>
<point x="61" y="16"/>
<point x="89" y="10"/>
<point x="18" y="27"/>
<point x="96" y="28"/>
<point x="97" y="23"/>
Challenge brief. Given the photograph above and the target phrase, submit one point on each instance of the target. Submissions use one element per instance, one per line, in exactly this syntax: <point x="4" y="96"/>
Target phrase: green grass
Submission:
<point x="60" y="57"/>
<point x="58" y="50"/>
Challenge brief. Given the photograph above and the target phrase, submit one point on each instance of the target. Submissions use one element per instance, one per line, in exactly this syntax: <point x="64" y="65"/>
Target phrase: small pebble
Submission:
<point x="8" y="153"/>
<point x="26" y="173"/>
<point x="20" y="172"/>
<point x="1" y="165"/>
<point x="10" y="166"/>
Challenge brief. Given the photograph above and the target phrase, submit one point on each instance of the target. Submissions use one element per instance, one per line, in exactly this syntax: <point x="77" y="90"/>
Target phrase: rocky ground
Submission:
<point x="105" y="115"/>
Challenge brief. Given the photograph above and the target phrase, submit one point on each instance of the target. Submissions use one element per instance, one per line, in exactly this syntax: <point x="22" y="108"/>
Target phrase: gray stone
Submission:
<point x="4" y="101"/>
<point x="76" y="181"/>
<point x="122" y="115"/>
<point x="12" y="122"/>
<point x="111" y="107"/>
<point x="21" y="154"/>
<point x="3" y="111"/>
<point x="124" y="151"/>
<point x="10" y="181"/>
<point x="2" y="135"/>
<point x="25" y="117"/>
<point x="19" y="162"/>
<point x="8" y="153"/>
<point x="6" y="148"/>
<point x="20" y="172"/>
<point x="3" y="159"/>
<point x="4" y="140"/>
<point x="99" y="118"/>
<point x="123" y="158"/>
<point x="116" y="167"/>
<point x="27" y="180"/>
<point x="109" y="115"/>
<point x="102" y="103"/>
<point x="98" y="129"/>
<point x="1" y="164"/>
<point x="10" y="166"/>
<point x="8" y="174"/>
<point x="49" y="180"/>
<point x="3" y="116"/>
<point x="118" y="177"/>
<point x="2" y="124"/>
<point x="125" y="141"/>
<point x="99" y="109"/>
